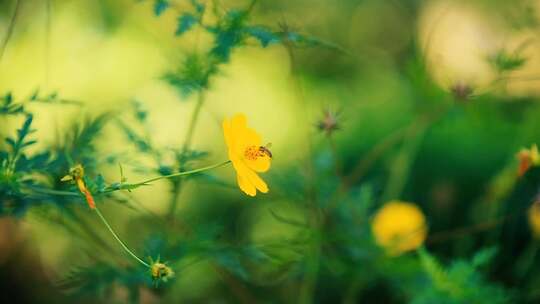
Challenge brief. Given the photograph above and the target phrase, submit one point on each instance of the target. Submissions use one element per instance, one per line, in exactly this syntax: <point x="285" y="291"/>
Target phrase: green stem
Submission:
<point x="178" y="174"/>
<point x="54" y="192"/>
<point x="177" y="185"/>
<point x="183" y="173"/>
<point x="119" y="240"/>
<point x="193" y="122"/>
<point x="11" y="25"/>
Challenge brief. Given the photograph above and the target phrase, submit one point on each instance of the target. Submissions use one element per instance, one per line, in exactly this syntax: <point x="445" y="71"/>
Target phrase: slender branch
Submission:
<point x="11" y="25"/>
<point x="338" y="165"/>
<point x="251" y="6"/>
<point x="170" y="176"/>
<point x="183" y="173"/>
<point x="47" y="40"/>
<point x="442" y="236"/>
<point x="102" y="218"/>
<point x="177" y="185"/>
<point x="193" y="122"/>
<point x="54" y="192"/>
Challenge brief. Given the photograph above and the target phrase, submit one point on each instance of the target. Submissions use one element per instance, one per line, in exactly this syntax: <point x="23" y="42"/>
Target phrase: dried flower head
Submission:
<point x="329" y="123"/>
<point x="461" y="91"/>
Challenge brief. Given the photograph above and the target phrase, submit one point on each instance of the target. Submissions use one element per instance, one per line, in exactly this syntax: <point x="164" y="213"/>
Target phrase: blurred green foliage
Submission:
<point x="449" y="147"/>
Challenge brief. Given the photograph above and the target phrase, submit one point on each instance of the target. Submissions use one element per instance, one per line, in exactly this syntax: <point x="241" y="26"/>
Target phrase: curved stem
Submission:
<point x="183" y="173"/>
<point x="178" y="174"/>
<point x="102" y="218"/>
<point x="193" y="122"/>
<point x="54" y="192"/>
<point x="11" y="25"/>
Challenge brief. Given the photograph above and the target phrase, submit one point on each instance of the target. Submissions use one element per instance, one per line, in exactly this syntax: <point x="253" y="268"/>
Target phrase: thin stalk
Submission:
<point x="251" y="6"/>
<point x="338" y="167"/>
<point x="102" y="218"/>
<point x="307" y="288"/>
<point x="11" y="25"/>
<point x="177" y="185"/>
<point x="54" y="192"/>
<point x="193" y="122"/>
<point x="47" y="40"/>
<point x="402" y="164"/>
<point x="183" y="173"/>
<point x="169" y="176"/>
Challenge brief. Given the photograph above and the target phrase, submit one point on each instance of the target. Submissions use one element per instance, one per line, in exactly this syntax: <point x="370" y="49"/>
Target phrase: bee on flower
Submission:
<point x="247" y="154"/>
<point x="76" y="175"/>
<point x="399" y="227"/>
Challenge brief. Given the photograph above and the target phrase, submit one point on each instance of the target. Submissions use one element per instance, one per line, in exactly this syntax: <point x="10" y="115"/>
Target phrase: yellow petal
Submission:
<point x="253" y="178"/>
<point x="242" y="135"/>
<point x="261" y="164"/>
<point x="535" y="156"/>
<point x="245" y="185"/>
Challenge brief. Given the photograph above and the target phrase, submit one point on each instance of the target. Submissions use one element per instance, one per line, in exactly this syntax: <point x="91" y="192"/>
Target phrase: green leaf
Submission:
<point x="264" y="35"/>
<point x="192" y="76"/>
<point x="484" y="256"/>
<point x="160" y="6"/>
<point x="7" y="107"/>
<point x="228" y="34"/>
<point x="139" y="142"/>
<point x="505" y="62"/>
<point x="185" y="23"/>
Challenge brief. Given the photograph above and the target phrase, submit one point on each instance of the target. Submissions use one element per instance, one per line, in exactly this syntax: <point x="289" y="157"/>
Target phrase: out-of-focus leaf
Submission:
<point x="263" y="35"/>
<point x="185" y="22"/>
<point x="160" y="6"/>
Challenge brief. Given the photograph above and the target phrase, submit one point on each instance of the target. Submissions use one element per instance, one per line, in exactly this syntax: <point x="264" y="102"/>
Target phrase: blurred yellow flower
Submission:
<point x="399" y="227"/>
<point x="246" y="154"/>
<point x="534" y="219"/>
<point x="527" y="159"/>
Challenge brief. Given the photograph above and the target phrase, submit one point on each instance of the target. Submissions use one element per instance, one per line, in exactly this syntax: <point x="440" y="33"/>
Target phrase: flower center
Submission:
<point x="252" y="153"/>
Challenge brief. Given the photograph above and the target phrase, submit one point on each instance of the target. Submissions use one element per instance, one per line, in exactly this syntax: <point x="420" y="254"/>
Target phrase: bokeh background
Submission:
<point x="434" y="99"/>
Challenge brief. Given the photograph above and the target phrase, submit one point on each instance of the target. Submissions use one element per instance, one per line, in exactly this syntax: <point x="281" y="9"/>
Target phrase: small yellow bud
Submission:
<point x="160" y="271"/>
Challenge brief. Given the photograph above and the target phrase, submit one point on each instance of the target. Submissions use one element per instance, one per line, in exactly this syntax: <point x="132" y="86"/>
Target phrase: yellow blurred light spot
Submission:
<point x="456" y="38"/>
<point x="399" y="227"/>
<point x="534" y="219"/>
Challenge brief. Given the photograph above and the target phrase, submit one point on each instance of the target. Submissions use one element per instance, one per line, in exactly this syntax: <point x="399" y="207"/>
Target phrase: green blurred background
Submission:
<point x="400" y="71"/>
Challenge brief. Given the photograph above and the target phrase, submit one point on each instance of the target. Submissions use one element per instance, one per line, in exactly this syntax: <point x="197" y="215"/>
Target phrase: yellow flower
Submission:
<point x="534" y="219"/>
<point x="399" y="227"/>
<point x="527" y="159"/>
<point x="246" y="154"/>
